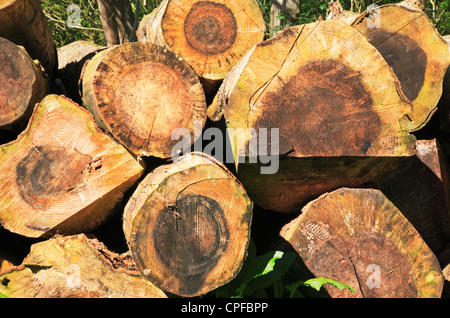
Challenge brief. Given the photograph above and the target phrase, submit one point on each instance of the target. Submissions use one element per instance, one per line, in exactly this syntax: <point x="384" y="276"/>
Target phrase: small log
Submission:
<point x="212" y="36"/>
<point x="142" y="92"/>
<point x="62" y="174"/>
<point x="188" y="226"/>
<point x="413" y="48"/>
<point x="23" y="85"/>
<point x="326" y="94"/>
<point x="23" y="23"/>
<point x="358" y="237"/>
<point x="71" y="59"/>
<point x="76" y="267"/>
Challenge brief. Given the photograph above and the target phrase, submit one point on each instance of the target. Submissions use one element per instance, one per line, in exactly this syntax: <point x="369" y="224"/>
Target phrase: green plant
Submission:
<point x="266" y="272"/>
<point x="90" y="28"/>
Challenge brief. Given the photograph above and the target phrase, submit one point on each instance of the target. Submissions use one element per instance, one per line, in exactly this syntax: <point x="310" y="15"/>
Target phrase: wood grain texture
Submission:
<point x="413" y="48"/>
<point x="23" y="23"/>
<point x="23" y="85"/>
<point x="188" y="226"/>
<point x="140" y="93"/>
<point x="212" y="36"/>
<point x="75" y="267"/>
<point x="358" y="237"/>
<point x="62" y="174"/>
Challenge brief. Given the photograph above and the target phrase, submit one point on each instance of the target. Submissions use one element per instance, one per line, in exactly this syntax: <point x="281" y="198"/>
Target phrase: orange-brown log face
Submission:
<point x="315" y="109"/>
<point x="48" y="173"/>
<point x="407" y="59"/>
<point x="382" y="271"/>
<point x="150" y="101"/>
<point x="190" y="237"/>
<point x="210" y="27"/>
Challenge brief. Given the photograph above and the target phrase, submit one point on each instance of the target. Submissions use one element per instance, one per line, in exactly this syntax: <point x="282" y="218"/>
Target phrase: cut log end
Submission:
<point x="65" y="175"/>
<point x="23" y="86"/>
<point x="367" y="243"/>
<point x="188" y="226"/>
<point x="151" y="93"/>
<point x="337" y="91"/>
<point x="75" y="267"/>
<point x="211" y="35"/>
<point x="412" y="47"/>
<point x="210" y="27"/>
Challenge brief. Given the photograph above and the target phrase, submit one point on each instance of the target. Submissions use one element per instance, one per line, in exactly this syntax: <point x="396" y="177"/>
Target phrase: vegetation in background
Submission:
<point x="91" y="26"/>
<point x="310" y="10"/>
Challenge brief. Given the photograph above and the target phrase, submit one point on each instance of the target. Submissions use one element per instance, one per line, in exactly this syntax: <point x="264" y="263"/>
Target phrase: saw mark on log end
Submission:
<point x="190" y="237"/>
<point x="210" y="28"/>
<point x="146" y="90"/>
<point x="407" y="59"/>
<point x="322" y="110"/>
<point x="47" y="173"/>
<point x="371" y="263"/>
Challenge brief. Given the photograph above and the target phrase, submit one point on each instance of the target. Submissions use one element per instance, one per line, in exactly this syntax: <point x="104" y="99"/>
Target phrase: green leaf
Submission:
<point x="276" y="265"/>
<point x="317" y="283"/>
<point x="258" y="272"/>
<point x="3" y="296"/>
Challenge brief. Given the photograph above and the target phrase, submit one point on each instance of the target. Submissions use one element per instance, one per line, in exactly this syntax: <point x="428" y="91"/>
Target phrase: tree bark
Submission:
<point x="141" y="93"/>
<point x="75" y="267"/>
<point x="283" y="11"/>
<point x="188" y="226"/>
<point x="412" y="47"/>
<point x="117" y="20"/>
<point x="359" y="238"/>
<point x="71" y="60"/>
<point x="326" y="100"/>
<point x="23" y="23"/>
<point x="212" y="36"/>
<point x="23" y="85"/>
<point x="62" y="174"/>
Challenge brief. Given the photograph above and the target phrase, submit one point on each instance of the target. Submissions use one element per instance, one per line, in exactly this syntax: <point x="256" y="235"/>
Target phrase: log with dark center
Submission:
<point x="63" y="174"/>
<point x="210" y="28"/>
<point x="324" y="103"/>
<point x="412" y="47"/>
<point x="141" y="93"/>
<point x="211" y="36"/>
<point x="187" y="226"/>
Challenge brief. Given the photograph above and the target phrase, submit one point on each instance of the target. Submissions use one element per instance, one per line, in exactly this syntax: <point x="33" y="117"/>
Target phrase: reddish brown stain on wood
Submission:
<point x="316" y="109"/>
<point x="210" y="27"/>
<point x="369" y="263"/>
<point x="407" y="59"/>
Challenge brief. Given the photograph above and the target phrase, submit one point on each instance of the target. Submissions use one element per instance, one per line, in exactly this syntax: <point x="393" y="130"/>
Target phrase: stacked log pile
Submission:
<point x="152" y="164"/>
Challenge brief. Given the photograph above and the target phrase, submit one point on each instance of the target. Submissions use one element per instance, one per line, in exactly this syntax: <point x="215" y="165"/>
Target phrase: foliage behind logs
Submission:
<point x="310" y="10"/>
